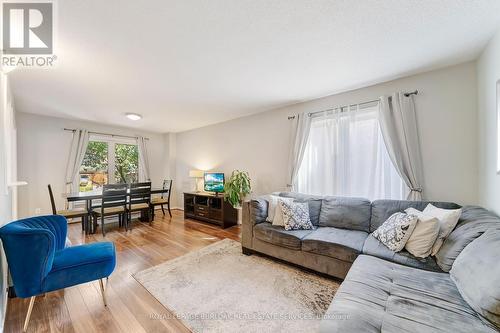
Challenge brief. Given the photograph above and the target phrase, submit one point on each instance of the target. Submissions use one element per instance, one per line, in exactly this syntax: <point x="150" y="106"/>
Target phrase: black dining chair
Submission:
<point x="139" y="200"/>
<point x="164" y="199"/>
<point x="113" y="202"/>
<point x="69" y="213"/>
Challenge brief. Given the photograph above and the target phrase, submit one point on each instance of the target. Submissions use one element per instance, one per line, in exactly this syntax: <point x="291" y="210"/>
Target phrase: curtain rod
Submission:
<point x="406" y="94"/>
<point x="106" y="134"/>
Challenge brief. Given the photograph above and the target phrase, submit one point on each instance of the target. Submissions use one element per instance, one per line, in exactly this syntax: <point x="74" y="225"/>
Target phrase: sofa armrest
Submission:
<point x="254" y="212"/>
<point x="258" y="210"/>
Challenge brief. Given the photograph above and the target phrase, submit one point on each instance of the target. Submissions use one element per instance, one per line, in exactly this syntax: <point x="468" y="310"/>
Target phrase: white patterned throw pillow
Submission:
<point x="395" y="232"/>
<point x="295" y="215"/>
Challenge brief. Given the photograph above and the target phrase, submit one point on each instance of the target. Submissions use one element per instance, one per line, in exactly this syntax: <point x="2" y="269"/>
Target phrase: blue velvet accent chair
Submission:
<point x="39" y="262"/>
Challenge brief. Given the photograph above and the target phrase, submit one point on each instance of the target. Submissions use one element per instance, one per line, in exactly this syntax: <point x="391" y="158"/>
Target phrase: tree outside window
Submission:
<point x="100" y="157"/>
<point x="126" y="163"/>
<point x="94" y="168"/>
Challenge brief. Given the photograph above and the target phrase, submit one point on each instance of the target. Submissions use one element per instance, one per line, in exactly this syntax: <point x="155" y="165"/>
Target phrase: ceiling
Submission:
<point x="184" y="64"/>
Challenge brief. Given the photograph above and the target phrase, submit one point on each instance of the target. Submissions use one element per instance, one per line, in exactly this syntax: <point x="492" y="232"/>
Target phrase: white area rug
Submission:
<point x="218" y="289"/>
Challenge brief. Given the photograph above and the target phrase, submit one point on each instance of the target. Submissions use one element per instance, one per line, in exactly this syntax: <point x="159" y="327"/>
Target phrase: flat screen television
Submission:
<point x="214" y="182"/>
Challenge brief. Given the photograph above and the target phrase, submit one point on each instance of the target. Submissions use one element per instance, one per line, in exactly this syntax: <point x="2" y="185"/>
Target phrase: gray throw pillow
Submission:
<point x="395" y="232"/>
<point x="476" y="272"/>
<point x="295" y="215"/>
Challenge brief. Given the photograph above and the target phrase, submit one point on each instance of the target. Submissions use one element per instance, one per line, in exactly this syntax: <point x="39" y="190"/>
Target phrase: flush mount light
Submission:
<point x="133" y="116"/>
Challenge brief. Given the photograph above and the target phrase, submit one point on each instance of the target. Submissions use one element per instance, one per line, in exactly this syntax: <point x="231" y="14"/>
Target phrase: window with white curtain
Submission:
<point x="109" y="160"/>
<point x="345" y="155"/>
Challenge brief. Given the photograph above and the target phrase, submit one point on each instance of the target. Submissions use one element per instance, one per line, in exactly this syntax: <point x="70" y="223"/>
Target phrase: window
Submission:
<point x="126" y="163"/>
<point x="104" y="154"/>
<point x="94" y="168"/>
<point x="346" y="156"/>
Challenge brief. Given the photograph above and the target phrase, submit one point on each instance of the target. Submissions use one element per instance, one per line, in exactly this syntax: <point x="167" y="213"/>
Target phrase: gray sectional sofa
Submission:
<point x="458" y="290"/>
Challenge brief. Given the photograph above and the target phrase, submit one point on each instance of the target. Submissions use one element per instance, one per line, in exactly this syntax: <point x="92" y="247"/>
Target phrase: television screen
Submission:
<point x="214" y="182"/>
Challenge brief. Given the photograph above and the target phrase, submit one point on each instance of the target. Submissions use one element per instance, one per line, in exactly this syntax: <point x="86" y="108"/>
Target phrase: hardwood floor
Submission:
<point x="130" y="306"/>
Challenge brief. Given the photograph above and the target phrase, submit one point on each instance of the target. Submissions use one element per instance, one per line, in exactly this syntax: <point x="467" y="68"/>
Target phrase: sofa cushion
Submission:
<point x="279" y="236"/>
<point x="345" y="213"/>
<point x="382" y="209"/>
<point x="334" y="242"/>
<point x="314" y="202"/>
<point x="380" y="296"/>
<point x="473" y="222"/>
<point x="476" y="273"/>
<point x="80" y="264"/>
<point x="375" y="248"/>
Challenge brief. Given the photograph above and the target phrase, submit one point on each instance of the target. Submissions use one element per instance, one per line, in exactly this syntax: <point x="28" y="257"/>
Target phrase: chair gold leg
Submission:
<point x="28" y="315"/>
<point x="102" y="292"/>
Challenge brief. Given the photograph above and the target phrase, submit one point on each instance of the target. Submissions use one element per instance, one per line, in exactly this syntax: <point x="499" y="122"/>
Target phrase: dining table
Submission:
<point x="96" y="194"/>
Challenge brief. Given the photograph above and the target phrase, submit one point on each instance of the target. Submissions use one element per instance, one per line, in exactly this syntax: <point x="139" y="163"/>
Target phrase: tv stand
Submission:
<point x="209" y="207"/>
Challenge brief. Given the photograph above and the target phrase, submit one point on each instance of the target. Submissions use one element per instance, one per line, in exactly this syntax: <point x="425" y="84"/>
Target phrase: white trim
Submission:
<point x="112" y="141"/>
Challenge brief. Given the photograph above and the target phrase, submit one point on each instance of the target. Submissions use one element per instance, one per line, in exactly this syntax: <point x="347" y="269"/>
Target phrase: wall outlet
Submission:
<point x="38" y="211"/>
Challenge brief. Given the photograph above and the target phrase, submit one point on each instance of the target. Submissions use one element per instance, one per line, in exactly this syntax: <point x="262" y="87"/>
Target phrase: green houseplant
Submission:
<point x="237" y="187"/>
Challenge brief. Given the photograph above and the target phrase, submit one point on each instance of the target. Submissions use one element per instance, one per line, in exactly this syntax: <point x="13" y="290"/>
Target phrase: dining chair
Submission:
<point x="139" y="200"/>
<point x="39" y="262"/>
<point x="69" y="213"/>
<point x="113" y="202"/>
<point x="164" y="199"/>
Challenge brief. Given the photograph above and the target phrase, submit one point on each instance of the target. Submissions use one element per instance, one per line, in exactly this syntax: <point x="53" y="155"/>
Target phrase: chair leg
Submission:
<point x="129" y="220"/>
<point x="28" y="315"/>
<point x="152" y="208"/>
<point x="162" y="210"/>
<point x="102" y="226"/>
<point x="169" y="212"/>
<point x="102" y="292"/>
<point x="83" y="223"/>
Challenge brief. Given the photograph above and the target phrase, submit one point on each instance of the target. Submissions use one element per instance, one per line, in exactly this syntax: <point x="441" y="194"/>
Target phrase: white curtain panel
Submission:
<point x="301" y="126"/>
<point x="398" y="123"/>
<point x="78" y="148"/>
<point x="144" y="171"/>
<point x="346" y="156"/>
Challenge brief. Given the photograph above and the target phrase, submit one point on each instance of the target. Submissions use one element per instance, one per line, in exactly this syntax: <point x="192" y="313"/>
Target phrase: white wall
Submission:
<point x="488" y="72"/>
<point x="447" y="121"/>
<point x="7" y="176"/>
<point x="43" y="148"/>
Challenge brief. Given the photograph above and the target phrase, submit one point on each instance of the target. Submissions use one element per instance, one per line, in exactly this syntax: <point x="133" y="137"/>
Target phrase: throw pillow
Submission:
<point x="296" y="215"/>
<point x="448" y="219"/>
<point x="278" y="215"/>
<point x="272" y="201"/>
<point x="424" y="235"/>
<point x="396" y="230"/>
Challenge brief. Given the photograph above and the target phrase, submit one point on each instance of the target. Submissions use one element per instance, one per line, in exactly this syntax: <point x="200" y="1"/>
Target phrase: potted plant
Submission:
<point x="236" y="188"/>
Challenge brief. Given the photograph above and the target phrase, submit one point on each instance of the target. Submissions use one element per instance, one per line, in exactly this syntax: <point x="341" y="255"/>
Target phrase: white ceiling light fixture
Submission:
<point x="133" y="116"/>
